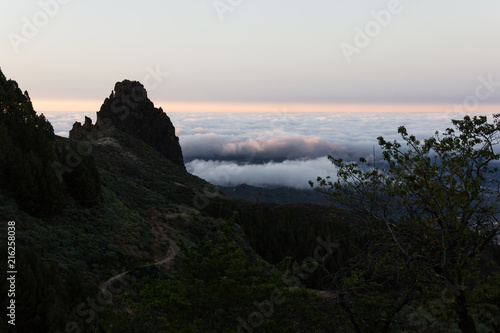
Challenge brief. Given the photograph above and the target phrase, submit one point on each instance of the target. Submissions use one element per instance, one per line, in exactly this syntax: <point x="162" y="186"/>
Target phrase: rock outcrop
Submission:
<point x="86" y="131"/>
<point x="129" y="109"/>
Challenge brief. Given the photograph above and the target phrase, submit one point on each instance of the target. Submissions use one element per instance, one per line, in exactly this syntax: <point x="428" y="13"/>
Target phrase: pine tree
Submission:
<point x="27" y="153"/>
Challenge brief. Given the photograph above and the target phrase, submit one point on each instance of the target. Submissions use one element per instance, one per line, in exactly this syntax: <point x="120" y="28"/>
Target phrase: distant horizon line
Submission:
<point x="81" y="106"/>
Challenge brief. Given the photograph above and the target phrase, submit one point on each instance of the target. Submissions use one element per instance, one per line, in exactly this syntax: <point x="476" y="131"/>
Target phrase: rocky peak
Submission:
<point x="129" y="109"/>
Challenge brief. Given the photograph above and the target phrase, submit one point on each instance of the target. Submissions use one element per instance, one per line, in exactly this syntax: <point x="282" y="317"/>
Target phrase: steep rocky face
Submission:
<point x="129" y="109"/>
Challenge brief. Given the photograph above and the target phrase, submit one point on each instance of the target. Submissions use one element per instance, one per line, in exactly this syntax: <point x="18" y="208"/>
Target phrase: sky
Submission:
<point x="261" y="91"/>
<point x="190" y="54"/>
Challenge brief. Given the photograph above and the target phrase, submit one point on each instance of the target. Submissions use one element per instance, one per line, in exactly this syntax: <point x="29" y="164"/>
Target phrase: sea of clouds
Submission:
<point x="281" y="148"/>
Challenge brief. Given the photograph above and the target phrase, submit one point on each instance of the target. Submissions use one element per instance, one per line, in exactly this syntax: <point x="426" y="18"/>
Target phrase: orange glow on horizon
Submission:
<point x="73" y="105"/>
<point x="169" y="106"/>
<point x="325" y="107"/>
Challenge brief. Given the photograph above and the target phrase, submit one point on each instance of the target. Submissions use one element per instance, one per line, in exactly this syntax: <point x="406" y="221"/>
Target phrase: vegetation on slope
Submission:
<point x="215" y="289"/>
<point x="116" y="204"/>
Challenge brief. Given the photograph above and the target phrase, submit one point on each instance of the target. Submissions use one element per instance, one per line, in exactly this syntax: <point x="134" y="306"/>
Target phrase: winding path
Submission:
<point x="171" y="254"/>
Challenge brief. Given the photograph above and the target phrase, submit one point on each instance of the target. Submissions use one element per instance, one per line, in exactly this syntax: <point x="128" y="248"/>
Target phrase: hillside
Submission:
<point x="131" y="216"/>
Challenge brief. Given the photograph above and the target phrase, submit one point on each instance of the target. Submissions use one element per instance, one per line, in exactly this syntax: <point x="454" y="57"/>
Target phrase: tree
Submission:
<point x="27" y="153"/>
<point x="434" y="204"/>
<point x="83" y="181"/>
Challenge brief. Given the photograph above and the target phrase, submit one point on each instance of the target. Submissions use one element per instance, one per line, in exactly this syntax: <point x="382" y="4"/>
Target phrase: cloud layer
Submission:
<point x="256" y="147"/>
<point x="289" y="149"/>
<point x="281" y="148"/>
<point x="289" y="173"/>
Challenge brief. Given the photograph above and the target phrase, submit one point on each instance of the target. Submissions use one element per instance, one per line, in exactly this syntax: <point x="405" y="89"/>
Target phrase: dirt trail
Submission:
<point x="172" y="252"/>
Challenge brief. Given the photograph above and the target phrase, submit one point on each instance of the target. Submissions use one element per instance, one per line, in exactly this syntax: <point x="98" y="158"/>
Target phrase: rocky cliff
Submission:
<point x="129" y="109"/>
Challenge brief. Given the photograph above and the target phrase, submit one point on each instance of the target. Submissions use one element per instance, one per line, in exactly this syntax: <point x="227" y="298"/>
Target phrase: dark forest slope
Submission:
<point x="86" y="210"/>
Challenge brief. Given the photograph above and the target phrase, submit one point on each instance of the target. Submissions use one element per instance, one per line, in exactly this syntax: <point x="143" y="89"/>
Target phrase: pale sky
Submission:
<point x="69" y="53"/>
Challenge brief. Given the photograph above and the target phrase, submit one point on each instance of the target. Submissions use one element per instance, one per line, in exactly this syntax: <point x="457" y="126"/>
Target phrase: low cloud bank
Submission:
<point x="280" y="148"/>
<point x="280" y="136"/>
<point x="258" y="147"/>
<point x="289" y="173"/>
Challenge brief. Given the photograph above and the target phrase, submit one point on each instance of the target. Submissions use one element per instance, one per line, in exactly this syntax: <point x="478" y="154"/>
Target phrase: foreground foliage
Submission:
<point x="431" y="214"/>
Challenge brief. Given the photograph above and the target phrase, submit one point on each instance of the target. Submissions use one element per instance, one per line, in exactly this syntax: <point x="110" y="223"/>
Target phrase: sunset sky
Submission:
<point x="69" y="54"/>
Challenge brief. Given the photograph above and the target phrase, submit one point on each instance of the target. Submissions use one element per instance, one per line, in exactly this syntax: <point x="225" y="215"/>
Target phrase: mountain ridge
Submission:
<point x="278" y="195"/>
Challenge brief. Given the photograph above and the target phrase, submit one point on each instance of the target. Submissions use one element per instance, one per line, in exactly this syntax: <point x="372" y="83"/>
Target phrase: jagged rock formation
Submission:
<point x="129" y="109"/>
<point x="85" y="131"/>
